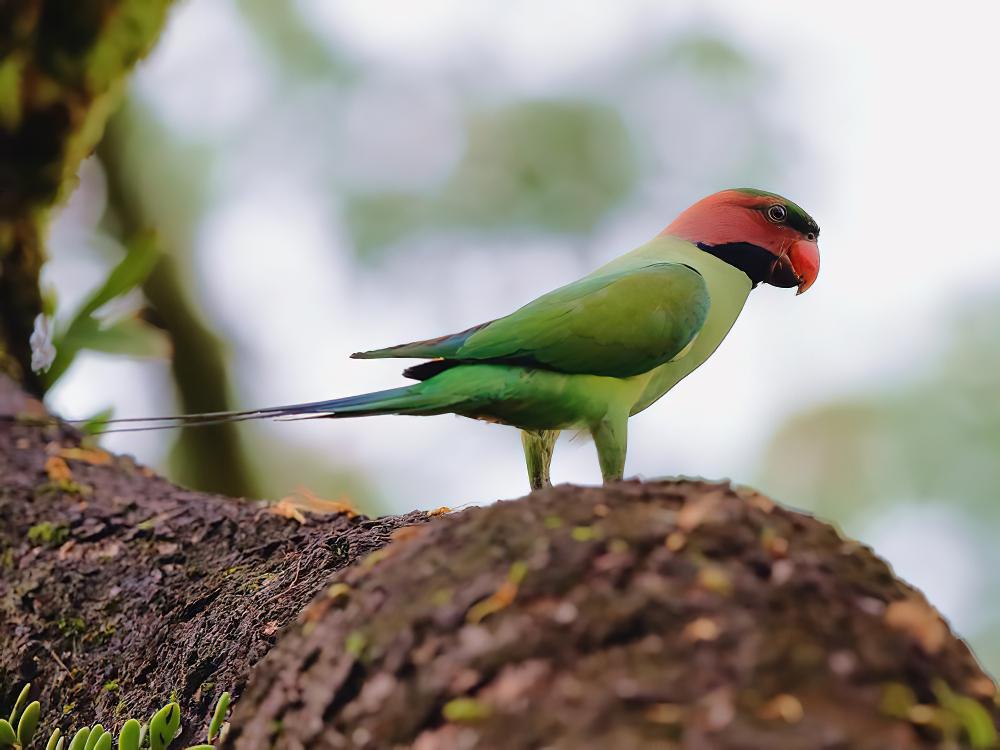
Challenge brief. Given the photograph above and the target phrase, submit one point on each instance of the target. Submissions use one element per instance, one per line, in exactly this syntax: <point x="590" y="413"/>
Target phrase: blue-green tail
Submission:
<point x="405" y="400"/>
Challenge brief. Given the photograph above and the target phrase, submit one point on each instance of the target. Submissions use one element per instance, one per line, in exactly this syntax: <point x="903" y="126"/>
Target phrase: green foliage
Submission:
<point x="96" y="732"/>
<point x="935" y="437"/>
<point x="553" y="165"/>
<point x="96" y="423"/>
<point x="163" y="726"/>
<point x="130" y="736"/>
<point x="28" y="723"/>
<point x="127" y="335"/>
<point x="7" y="735"/>
<point x="161" y="731"/>
<point x="79" y="741"/>
<point x="22" y="697"/>
<point x="972" y="719"/>
<point x="219" y="716"/>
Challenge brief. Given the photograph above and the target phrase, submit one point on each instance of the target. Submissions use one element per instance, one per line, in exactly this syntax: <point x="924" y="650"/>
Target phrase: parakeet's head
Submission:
<point x="766" y="236"/>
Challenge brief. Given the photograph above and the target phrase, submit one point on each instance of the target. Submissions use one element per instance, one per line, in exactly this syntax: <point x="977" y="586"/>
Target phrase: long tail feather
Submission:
<point x="366" y="403"/>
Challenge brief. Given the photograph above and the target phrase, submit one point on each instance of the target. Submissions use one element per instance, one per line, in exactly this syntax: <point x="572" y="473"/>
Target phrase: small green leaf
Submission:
<point x="95" y="734"/>
<point x="142" y="256"/>
<point x="7" y="736"/>
<point x="60" y="743"/>
<point x="974" y="719"/>
<point x="130" y="336"/>
<point x="81" y="331"/>
<point x="129" y="737"/>
<point x="104" y="743"/>
<point x="163" y="726"/>
<point x="221" y="708"/>
<point x="200" y="747"/>
<point x="143" y="731"/>
<point x="28" y="723"/>
<point x="79" y="741"/>
<point x="21" y="700"/>
<point x="54" y="739"/>
<point x="97" y="422"/>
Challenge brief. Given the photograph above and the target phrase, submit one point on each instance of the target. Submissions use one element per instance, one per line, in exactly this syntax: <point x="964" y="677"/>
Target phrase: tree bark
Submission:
<point x="674" y="614"/>
<point x="119" y="589"/>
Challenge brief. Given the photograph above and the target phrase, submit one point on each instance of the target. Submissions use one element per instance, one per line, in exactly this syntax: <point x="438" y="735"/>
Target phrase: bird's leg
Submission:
<point x="538" y="446"/>
<point x="611" y="439"/>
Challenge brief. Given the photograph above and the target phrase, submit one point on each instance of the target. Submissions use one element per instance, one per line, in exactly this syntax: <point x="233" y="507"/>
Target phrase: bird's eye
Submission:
<point x="811" y="236"/>
<point x="776" y="213"/>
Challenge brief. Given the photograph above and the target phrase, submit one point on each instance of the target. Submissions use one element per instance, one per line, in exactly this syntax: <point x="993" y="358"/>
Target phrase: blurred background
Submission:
<point x="326" y="177"/>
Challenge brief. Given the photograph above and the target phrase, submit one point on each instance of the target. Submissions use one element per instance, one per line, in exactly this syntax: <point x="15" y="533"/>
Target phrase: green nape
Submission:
<point x="798" y="216"/>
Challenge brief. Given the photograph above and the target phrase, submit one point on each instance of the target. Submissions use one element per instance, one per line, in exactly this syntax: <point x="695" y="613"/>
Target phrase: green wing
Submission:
<point x="617" y="325"/>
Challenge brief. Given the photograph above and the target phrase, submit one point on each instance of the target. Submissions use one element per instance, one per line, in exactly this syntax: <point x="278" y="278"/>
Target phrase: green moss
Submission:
<point x="553" y="522"/>
<point x="111" y="686"/>
<point x="584" y="533"/>
<point x="48" y="534"/>
<point x="442" y="597"/>
<point x="105" y="633"/>
<point x="70" y="626"/>
<point x="355" y="643"/>
<point x="67" y="486"/>
<point x="466" y="710"/>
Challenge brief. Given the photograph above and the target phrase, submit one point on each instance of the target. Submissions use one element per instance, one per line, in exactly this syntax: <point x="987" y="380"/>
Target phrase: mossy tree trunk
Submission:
<point x="670" y="614"/>
<point x="62" y="65"/>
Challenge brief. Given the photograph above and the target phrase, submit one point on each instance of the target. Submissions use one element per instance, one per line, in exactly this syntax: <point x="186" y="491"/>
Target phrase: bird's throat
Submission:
<point x="753" y="260"/>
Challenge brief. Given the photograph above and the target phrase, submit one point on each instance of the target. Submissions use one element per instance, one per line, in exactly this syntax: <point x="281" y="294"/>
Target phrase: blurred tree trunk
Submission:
<point x="142" y="177"/>
<point x="671" y="614"/>
<point x="62" y="63"/>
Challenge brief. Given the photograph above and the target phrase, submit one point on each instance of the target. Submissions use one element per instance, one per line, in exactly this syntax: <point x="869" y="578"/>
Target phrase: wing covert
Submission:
<point x="619" y="324"/>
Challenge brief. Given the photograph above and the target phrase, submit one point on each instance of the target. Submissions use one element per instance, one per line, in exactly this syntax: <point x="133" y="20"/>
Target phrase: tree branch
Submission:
<point x="674" y="614"/>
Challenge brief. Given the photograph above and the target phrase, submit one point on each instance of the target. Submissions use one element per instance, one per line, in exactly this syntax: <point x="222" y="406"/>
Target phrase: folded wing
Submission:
<point x="617" y="325"/>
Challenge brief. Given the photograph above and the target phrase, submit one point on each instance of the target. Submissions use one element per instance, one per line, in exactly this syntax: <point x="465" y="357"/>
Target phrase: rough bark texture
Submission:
<point x="662" y="615"/>
<point x="675" y="614"/>
<point x="118" y="589"/>
<point x="61" y="67"/>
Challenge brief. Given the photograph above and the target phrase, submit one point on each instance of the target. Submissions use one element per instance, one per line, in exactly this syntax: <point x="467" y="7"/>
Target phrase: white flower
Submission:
<point x="43" y="353"/>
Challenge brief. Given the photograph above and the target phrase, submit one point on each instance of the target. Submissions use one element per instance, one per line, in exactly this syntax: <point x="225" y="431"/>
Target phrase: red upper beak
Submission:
<point x="798" y="267"/>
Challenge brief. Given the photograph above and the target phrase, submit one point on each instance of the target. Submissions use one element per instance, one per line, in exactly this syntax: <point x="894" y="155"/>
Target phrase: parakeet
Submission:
<point x="590" y="354"/>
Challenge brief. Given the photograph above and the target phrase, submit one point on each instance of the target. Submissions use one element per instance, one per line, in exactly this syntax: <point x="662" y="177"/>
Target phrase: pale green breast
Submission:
<point x="728" y="288"/>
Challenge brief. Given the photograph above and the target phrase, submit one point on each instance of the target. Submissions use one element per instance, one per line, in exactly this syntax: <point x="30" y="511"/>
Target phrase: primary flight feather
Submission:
<point x="594" y="352"/>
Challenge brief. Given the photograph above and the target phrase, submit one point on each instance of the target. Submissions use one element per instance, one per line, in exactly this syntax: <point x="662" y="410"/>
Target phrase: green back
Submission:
<point x="618" y="324"/>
